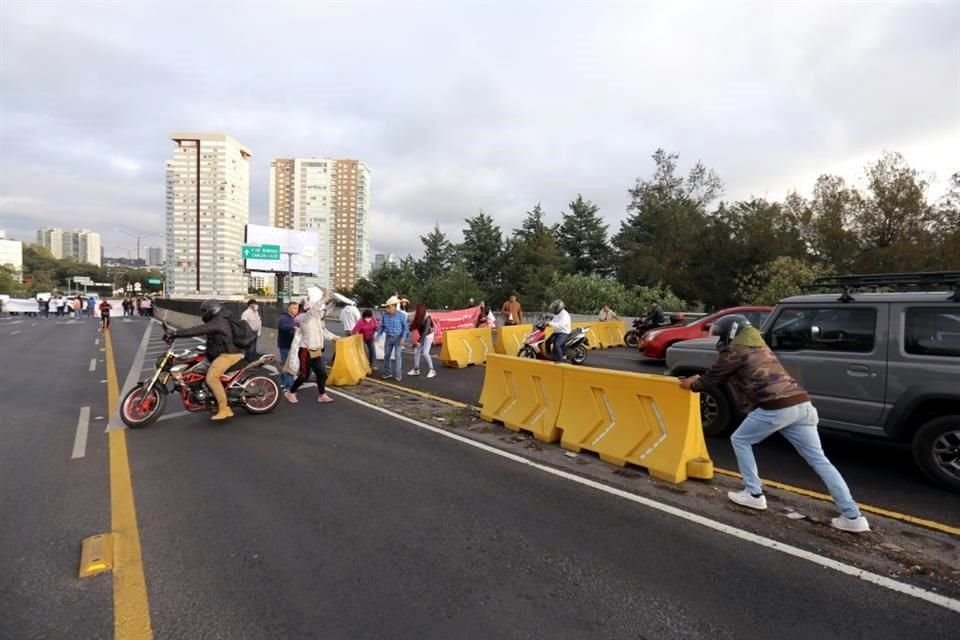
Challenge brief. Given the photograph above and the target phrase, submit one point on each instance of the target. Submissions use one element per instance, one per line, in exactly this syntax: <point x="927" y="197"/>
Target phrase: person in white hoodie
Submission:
<point x="313" y="333"/>
<point x="561" y="328"/>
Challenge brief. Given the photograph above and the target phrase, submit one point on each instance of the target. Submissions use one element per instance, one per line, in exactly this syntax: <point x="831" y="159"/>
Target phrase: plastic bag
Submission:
<point x="292" y="365"/>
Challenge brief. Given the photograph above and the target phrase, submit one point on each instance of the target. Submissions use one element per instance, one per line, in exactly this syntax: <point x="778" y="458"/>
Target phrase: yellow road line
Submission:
<point x="131" y="609"/>
<point x="895" y="515"/>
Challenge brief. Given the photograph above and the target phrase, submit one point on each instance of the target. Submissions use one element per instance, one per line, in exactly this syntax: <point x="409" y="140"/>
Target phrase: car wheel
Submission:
<point x="936" y="450"/>
<point x="715" y="411"/>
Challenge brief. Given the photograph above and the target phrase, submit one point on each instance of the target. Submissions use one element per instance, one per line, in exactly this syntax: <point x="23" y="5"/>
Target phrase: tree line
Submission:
<point x="682" y="245"/>
<point x="42" y="272"/>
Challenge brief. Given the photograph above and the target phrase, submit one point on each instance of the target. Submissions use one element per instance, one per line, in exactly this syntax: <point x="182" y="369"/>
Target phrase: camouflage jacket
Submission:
<point x="755" y="375"/>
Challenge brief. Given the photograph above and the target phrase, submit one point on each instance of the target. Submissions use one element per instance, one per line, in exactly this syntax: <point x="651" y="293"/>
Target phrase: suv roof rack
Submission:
<point x="894" y="280"/>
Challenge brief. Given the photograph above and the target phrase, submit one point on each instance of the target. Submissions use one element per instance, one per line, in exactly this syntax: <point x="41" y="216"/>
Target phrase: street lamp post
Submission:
<point x="290" y="255"/>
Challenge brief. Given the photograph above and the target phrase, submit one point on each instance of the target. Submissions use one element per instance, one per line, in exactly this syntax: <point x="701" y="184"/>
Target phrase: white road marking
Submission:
<point x="80" y="441"/>
<point x="15" y="332"/>
<point x="171" y="416"/>
<point x="93" y="364"/>
<point x="34" y="324"/>
<point x="741" y="534"/>
<point x="96" y="342"/>
<point x="114" y="422"/>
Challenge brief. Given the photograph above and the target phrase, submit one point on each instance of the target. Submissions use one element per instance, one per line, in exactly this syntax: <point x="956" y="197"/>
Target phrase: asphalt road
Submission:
<point x="336" y="521"/>
<point x="879" y="473"/>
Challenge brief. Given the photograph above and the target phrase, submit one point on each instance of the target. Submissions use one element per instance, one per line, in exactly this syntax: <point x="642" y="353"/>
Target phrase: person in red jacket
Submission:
<point x="367" y="327"/>
<point x="105" y="308"/>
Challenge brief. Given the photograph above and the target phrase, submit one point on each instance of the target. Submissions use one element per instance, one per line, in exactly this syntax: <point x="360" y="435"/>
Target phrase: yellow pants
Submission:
<point x="220" y="364"/>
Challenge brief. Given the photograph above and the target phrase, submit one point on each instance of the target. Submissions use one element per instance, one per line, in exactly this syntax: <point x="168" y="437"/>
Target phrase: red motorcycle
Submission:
<point x="185" y="372"/>
<point x="535" y="345"/>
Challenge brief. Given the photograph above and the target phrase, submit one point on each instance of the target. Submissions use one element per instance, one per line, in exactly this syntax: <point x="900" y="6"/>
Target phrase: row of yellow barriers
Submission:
<point x="600" y="335"/>
<point x="463" y="347"/>
<point x="351" y="365"/>
<point x="645" y="420"/>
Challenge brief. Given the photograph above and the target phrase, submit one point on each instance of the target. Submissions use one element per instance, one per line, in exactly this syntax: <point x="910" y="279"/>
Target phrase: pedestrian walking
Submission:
<point x="393" y="325"/>
<point x="147" y="307"/>
<point x="77" y="307"/>
<point x="61" y="305"/>
<point x="313" y="333"/>
<point x="349" y="317"/>
<point x="105" y="308"/>
<point x="286" y="327"/>
<point x="91" y="307"/>
<point x="607" y="314"/>
<point x="777" y="404"/>
<point x="251" y="316"/>
<point x="423" y="325"/>
<point x="44" y="307"/>
<point x="367" y="327"/>
<point x="512" y="313"/>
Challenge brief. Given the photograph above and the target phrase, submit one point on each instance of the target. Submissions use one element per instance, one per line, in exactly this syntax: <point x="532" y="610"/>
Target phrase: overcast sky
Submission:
<point x="459" y="106"/>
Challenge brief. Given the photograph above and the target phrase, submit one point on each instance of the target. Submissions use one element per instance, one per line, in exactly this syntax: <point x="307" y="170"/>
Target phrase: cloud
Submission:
<point x="463" y="106"/>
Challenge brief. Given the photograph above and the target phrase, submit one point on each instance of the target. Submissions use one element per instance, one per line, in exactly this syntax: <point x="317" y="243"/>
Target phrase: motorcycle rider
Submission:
<point x="561" y="329"/>
<point x="221" y="350"/>
<point x="655" y="316"/>
<point x="777" y="403"/>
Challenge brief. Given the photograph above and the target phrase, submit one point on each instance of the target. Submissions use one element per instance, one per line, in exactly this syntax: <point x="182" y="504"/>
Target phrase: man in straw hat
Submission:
<point x="394" y="325"/>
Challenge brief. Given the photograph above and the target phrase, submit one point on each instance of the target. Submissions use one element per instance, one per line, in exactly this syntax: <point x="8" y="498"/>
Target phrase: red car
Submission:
<point x="654" y="343"/>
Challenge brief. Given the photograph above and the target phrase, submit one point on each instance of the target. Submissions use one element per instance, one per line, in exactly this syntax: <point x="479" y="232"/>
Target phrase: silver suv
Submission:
<point x="879" y="364"/>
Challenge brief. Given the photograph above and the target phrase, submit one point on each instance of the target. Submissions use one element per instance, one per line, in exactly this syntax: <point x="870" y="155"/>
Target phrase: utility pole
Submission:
<point x="290" y="255"/>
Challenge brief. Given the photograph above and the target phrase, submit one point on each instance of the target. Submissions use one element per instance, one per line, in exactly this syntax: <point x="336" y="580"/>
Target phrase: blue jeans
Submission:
<point x="371" y="347"/>
<point x="799" y="426"/>
<point x="391" y="344"/>
<point x="559" y="339"/>
<point x="286" y="380"/>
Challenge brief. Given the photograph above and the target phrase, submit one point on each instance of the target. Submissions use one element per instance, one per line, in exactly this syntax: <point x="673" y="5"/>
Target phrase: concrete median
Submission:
<point x="464" y="347"/>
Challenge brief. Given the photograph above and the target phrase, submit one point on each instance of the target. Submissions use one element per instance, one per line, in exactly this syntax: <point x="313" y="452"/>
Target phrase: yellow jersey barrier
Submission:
<point x="350" y="366"/>
<point x="510" y="339"/>
<point x="611" y="334"/>
<point x="463" y="347"/>
<point x="523" y="394"/>
<point x="645" y="420"/>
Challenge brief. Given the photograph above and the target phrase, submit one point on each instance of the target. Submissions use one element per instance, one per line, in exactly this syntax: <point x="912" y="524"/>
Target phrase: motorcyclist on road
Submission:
<point x="561" y="329"/>
<point x="655" y="315"/>
<point x="222" y="352"/>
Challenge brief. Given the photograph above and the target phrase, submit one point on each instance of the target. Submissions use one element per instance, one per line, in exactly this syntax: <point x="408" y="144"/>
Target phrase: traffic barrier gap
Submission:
<point x="463" y="347"/>
<point x="350" y="364"/>
<point x="646" y="420"/>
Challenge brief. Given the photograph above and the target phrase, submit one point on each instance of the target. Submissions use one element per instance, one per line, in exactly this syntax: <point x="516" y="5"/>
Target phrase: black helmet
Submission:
<point x="677" y="318"/>
<point x="556" y="306"/>
<point x="210" y="309"/>
<point x="728" y="327"/>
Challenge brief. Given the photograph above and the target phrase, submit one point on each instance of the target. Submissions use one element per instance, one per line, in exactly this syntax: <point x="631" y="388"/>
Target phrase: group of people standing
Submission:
<point x="142" y="307"/>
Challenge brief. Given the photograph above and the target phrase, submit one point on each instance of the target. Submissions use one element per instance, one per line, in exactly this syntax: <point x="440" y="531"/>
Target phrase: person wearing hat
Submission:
<point x="393" y="325"/>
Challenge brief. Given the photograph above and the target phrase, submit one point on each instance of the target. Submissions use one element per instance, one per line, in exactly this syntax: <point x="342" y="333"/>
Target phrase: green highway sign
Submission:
<point x="261" y="252"/>
<point x="154" y="281"/>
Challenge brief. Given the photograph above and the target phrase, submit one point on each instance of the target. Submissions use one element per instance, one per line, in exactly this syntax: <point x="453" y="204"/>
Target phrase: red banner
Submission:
<point x="459" y="319"/>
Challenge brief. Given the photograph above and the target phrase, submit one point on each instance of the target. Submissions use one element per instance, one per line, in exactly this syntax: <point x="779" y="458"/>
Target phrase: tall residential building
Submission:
<point x="208" y="206"/>
<point x="331" y="198"/>
<point x="52" y="240"/>
<point x="82" y="245"/>
<point x="155" y="256"/>
<point x="383" y="258"/>
<point x="11" y="255"/>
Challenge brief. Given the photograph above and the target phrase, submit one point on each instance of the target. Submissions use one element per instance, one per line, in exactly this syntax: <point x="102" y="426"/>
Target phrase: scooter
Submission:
<point x="535" y="345"/>
<point x="185" y="372"/>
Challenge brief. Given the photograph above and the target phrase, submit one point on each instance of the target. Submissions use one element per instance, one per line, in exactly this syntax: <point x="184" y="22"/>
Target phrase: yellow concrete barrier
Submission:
<point x="350" y="366"/>
<point x="463" y="347"/>
<point x="611" y="334"/>
<point x="523" y="394"/>
<point x="510" y="339"/>
<point x="645" y="420"/>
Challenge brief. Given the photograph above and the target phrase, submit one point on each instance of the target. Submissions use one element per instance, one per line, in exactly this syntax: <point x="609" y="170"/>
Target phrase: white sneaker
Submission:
<point x="413" y="372"/>
<point x="851" y="525"/>
<point x="744" y="499"/>
<point x="432" y="374"/>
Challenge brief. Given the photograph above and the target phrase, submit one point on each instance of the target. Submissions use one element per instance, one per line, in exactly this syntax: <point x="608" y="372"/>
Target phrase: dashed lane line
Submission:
<point x="93" y="364"/>
<point x="80" y="440"/>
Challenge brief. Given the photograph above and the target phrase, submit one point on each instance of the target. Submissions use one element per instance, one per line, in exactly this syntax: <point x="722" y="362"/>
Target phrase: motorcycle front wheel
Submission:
<point x="632" y="338"/>
<point x="578" y="355"/>
<point x="526" y="351"/>
<point x="260" y="395"/>
<point x="142" y="406"/>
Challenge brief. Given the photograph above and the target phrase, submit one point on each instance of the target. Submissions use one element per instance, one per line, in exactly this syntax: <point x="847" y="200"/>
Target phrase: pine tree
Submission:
<point x="437" y="255"/>
<point x="583" y="237"/>
<point x="534" y="259"/>
<point x="482" y="252"/>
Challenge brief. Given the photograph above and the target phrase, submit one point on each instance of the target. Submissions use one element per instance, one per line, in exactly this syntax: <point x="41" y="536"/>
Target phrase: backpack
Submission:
<point x="243" y="335"/>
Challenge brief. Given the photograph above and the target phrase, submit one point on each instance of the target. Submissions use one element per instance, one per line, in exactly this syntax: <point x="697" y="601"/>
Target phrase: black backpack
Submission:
<point x="243" y="335"/>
